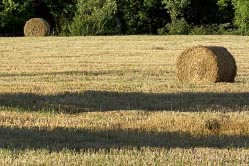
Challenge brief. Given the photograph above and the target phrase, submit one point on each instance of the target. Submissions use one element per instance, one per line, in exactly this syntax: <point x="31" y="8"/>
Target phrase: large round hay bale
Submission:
<point x="36" y="27"/>
<point x="206" y="64"/>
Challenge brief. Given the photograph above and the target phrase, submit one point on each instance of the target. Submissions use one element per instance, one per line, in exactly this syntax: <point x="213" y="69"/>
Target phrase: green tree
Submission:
<point x="226" y="11"/>
<point x="241" y="18"/>
<point x="94" y="17"/>
<point x="176" y="8"/>
<point x="12" y="17"/>
<point x="134" y="16"/>
<point x="62" y="13"/>
<point x="141" y="16"/>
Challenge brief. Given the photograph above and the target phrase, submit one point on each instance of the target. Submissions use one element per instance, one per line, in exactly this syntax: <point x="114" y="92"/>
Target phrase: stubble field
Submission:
<point x="117" y="101"/>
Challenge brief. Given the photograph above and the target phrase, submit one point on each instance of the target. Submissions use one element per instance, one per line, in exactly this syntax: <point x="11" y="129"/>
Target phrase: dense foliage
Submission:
<point x="94" y="17"/>
<point x="110" y="17"/>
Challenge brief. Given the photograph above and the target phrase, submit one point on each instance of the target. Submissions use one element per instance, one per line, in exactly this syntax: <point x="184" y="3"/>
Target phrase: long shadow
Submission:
<point x="79" y="139"/>
<point x="109" y="101"/>
<point x="86" y="73"/>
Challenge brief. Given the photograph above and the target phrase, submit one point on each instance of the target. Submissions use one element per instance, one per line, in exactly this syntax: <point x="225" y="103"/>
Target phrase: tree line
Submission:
<point x="121" y="17"/>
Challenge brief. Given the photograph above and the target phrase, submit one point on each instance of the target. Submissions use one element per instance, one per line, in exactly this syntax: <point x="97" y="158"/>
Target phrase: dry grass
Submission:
<point x="95" y="100"/>
<point x="133" y="156"/>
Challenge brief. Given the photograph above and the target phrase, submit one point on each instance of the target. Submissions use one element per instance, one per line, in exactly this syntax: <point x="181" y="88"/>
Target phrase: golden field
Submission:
<point x="117" y="101"/>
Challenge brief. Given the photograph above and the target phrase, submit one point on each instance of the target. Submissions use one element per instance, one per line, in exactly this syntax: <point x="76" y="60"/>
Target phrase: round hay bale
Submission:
<point x="206" y="64"/>
<point x="36" y="27"/>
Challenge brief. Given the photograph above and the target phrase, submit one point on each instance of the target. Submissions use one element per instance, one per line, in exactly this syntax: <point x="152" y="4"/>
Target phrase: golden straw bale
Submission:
<point x="36" y="27"/>
<point x="206" y="64"/>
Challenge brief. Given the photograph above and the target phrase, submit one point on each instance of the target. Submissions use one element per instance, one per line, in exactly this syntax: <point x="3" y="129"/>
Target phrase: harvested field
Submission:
<point x="117" y="100"/>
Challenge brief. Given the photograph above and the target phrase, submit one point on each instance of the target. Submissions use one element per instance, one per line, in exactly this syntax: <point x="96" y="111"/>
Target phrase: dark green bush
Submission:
<point x="241" y="19"/>
<point x="13" y="15"/>
<point x="213" y="29"/>
<point x="178" y="27"/>
<point x="141" y="17"/>
<point x="94" y="17"/>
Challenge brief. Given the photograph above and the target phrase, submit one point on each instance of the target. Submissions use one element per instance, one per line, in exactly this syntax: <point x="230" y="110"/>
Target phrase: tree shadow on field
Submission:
<point x="85" y="73"/>
<point x="58" y="139"/>
<point x="108" y="101"/>
<point x="81" y="139"/>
